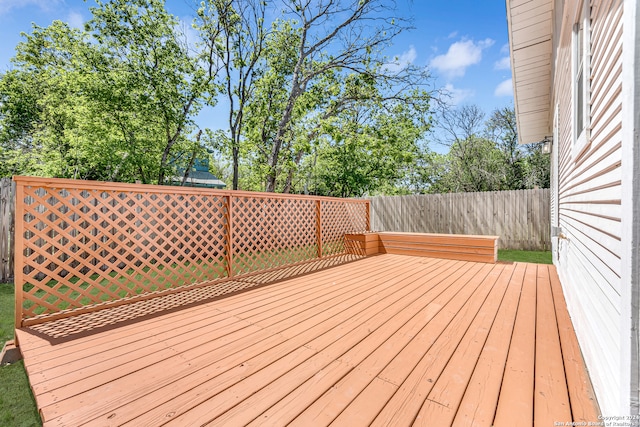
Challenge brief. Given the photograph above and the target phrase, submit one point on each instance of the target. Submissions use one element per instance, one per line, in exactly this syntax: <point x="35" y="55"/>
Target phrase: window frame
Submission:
<point x="581" y="66"/>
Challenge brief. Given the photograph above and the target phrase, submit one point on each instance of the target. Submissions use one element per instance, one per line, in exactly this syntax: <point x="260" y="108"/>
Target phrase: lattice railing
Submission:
<point x="270" y="232"/>
<point x="83" y="245"/>
<point x="338" y="218"/>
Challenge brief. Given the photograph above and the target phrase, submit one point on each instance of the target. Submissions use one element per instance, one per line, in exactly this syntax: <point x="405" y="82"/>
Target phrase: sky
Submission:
<point x="463" y="43"/>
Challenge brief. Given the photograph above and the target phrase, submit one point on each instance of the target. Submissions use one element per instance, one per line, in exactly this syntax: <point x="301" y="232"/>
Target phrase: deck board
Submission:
<point x="551" y="396"/>
<point x="516" y="393"/>
<point x="402" y="408"/>
<point x="385" y="340"/>
<point x="441" y="404"/>
<point x="478" y="405"/>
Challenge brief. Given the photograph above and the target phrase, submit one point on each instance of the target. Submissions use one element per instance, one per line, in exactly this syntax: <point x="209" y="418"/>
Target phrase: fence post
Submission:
<point x="229" y="235"/>
<point x="18" y="286"/>
<point x="319" y="227"/>
<point x="368" y="214"/>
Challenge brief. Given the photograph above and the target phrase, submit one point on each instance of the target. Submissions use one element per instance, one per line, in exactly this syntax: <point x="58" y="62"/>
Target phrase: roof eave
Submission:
<point x="531" y="46"/>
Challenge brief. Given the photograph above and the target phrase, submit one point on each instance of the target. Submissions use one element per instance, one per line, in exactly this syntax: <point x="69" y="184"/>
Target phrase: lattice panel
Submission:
<point x="81" y="243"/>
<point x="272" y="232"/>
<point x="339" y="218"/>
<point x="83" y="247"/>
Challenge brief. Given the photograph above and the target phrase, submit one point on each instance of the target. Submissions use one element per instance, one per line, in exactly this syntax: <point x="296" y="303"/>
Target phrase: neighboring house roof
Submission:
<point x="199" y="176"/>
<point x="530" y="41"/>
<point x="202" y="179"/>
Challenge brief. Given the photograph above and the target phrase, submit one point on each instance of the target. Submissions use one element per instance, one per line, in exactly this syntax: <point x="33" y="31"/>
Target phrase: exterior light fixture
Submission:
<point x="546" y="144"/>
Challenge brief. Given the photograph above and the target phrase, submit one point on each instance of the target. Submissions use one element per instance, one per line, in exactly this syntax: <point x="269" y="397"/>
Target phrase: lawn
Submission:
<point x="537" y="257"/>
<point x="17" y="407"/>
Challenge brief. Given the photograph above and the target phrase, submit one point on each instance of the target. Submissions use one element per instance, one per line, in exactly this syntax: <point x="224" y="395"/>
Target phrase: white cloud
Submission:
<point x="505" y="88"/>
<point x="456" y="95"/>
<point x="504" y="49"/>
<point x="452" y="35"/>
<point x="44" y="5"/>
<point x="401" y="62"/>
<point x="74" y="19"/>
<point x="460" y="56"/>
<point x="503" y="64"/>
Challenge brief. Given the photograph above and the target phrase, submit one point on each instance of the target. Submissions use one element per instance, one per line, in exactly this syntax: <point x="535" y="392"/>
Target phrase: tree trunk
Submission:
<point x="192" y="160"/>
<point x="236" y="155"/>
<point x="289" y="183"/>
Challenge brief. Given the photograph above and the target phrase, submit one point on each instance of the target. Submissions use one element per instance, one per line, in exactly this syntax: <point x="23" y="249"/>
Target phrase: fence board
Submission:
<point x="7" y="196"/>
<point x="521" y="217"/>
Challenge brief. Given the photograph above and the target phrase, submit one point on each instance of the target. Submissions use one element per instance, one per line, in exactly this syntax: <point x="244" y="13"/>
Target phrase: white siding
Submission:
<point x="554" y="187"/>
<point x="589" y="200"/>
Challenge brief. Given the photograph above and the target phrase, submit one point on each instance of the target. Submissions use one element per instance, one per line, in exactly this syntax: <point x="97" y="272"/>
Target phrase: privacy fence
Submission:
<point x="82" y="245"/>
<point x="520" y="218"/>
<point x="7" y="191"/>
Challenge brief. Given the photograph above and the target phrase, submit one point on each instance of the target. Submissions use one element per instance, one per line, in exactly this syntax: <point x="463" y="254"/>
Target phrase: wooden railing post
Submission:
<point x="229" y="236"/>
<point x="319" y="227"/>
<point x="368" y="214"/>
<point x="18" y="269"/>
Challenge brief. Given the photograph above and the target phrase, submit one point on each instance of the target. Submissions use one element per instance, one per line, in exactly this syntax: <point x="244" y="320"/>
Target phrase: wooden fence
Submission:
<point x="520" y="218"/>
<point x="83" y="245"/>
<point x="7" y="190"/>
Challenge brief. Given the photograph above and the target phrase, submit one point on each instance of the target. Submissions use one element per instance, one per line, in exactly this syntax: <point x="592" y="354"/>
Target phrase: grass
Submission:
<point x="6" y="312"/>
<point x="17" y="406"/>
<point x="537" y="257"/>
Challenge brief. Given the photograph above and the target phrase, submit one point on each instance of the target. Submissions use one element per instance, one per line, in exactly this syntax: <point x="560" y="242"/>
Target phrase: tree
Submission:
<point x="333" y="35"/>
<point x="537" y="167"/>
<point x="474" y="161"/>
<point x="268" y="102"/>
<point x="19" y="112"/>
<point x="363" y="159"/>
<point x="238" y="30"/>
<point x="44" y="104"/>
<point x="485" y="155"/>
<point x="371" y="140"/>
<point x="117" y="100"/>
<point x="429" y="173"/>
<point x="113" y="102"/>
<point x="151" y="58"/>
<point x="501" y="128"/>
<point x="526" y="166"/>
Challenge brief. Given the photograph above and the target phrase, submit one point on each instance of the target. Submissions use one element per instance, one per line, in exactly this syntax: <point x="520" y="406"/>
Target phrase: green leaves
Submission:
<point x="483" y="156"/>
<point x="311" y="106"/>
<point x="113" y="102"/>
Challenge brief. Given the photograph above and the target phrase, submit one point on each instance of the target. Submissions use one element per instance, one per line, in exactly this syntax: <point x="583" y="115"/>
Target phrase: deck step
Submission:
<point x="10" y="353"/>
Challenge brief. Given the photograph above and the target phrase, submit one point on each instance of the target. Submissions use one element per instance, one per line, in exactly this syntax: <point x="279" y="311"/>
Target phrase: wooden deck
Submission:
<point x="386" y="340"/>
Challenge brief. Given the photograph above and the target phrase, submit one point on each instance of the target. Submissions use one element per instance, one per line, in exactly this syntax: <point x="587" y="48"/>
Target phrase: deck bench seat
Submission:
<point x="449" y="246"/>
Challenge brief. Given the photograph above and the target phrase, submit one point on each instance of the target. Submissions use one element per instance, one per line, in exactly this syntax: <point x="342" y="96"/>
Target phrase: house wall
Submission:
<point x="589" y="250"/>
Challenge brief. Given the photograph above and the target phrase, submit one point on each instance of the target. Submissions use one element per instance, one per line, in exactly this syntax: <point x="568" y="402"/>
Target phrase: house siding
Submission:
<point x="589" y="251"/>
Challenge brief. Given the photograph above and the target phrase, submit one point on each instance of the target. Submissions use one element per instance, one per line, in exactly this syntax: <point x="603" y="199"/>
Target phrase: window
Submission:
<point x="581" y="51"/>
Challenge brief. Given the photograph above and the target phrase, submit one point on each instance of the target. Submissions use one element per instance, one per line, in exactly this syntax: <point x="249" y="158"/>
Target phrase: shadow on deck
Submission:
<point x="62" y="330"/>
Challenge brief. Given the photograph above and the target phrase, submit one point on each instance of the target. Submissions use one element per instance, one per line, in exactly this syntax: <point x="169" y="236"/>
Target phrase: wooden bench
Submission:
<point x="448" y="246"/>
